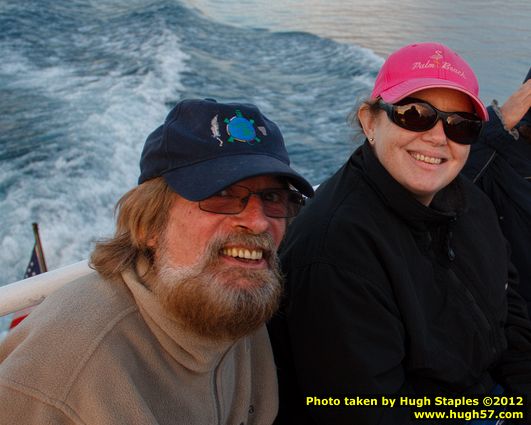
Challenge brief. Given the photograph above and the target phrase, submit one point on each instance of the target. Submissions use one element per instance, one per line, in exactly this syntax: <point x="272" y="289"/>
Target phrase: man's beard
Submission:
<point x="217" y="300"/>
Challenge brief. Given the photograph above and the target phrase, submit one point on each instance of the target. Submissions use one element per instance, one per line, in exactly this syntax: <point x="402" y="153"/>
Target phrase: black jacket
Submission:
<point x="386" y="296"/>
<point x="501" y="167"/>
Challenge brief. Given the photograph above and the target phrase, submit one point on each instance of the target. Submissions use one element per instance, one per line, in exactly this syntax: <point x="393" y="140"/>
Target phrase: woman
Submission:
<point x="397" y="277"/>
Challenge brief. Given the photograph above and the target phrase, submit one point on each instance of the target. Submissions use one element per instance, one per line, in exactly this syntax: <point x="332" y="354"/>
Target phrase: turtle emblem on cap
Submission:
<point x="241" y="129"/>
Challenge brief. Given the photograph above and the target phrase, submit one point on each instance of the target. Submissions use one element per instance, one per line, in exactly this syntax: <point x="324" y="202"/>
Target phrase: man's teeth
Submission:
<point x="243" y="253"/>
<point x="428" y="159"/>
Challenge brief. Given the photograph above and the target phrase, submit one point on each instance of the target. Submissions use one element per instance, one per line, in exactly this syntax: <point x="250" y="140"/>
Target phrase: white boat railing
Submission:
<point x="32" y="291"/>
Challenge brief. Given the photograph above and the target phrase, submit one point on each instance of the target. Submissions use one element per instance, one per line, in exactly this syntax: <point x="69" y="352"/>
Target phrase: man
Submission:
<point x="500" y="164"/>
<point x="169" y="329"/>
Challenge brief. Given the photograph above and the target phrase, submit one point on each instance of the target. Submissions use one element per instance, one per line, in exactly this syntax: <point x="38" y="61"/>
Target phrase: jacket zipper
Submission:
<point x="216" y="396"/>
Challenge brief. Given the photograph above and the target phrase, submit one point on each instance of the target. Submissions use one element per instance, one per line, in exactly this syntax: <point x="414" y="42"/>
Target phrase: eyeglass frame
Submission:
<point x="301" y="200"/>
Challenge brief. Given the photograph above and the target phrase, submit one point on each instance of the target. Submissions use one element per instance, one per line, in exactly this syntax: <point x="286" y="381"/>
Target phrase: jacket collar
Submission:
<point x="448" y="204"/>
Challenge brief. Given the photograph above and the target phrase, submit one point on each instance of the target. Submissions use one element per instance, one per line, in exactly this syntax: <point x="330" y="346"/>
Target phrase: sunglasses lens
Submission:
<point x="415" y="116"/>
<point x="462" y="129"/>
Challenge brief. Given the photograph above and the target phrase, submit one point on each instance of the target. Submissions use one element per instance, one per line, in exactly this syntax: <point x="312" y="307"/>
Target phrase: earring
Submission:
<point x="371" y="139"/>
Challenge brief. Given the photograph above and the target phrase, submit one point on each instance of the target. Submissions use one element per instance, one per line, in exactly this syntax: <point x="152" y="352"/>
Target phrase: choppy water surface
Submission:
<point x="82" y="84"/>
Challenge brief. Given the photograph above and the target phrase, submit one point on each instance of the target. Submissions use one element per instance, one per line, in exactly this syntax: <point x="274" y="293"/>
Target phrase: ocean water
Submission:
<point x="83" y="82"/>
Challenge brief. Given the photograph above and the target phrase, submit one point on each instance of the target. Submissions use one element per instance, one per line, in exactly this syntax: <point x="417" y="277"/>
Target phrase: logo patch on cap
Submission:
<point x="214" y="128"/>
<point x="438" y="55"/>
<point x="438" y="64"/>
<point x="241" y="129"/>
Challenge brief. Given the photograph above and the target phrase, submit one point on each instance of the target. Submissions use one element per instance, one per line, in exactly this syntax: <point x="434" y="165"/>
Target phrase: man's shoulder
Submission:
<point x="83" y="292"/>
<point x="87" y="303"/>
<point x="48" y="348"/>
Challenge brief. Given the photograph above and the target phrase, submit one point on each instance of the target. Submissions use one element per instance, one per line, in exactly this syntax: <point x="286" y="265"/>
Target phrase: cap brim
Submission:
<point x="406" y="88"/>
<point x="201" y="180"/>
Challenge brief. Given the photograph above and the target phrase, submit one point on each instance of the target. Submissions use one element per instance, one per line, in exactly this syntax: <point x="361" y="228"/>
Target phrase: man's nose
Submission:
<point x="253" y="216"/>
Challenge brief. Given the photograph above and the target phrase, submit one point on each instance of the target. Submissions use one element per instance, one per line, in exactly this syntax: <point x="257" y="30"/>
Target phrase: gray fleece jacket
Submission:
<point x="101" y="353"/>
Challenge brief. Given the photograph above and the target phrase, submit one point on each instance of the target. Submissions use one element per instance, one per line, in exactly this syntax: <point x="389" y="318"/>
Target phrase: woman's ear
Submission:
<point x="367" y="118"/>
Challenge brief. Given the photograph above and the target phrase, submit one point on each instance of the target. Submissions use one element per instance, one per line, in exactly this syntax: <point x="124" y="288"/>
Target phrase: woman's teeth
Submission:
<point x="427" y="159"/>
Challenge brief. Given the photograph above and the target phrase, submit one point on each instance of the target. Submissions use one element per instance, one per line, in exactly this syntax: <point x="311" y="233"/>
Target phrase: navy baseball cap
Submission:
<point x="205" y="146"/>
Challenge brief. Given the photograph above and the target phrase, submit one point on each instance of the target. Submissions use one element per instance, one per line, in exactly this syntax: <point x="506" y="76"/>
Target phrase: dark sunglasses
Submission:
<point x="277" y="203"/>
<point x="417" y="115"/>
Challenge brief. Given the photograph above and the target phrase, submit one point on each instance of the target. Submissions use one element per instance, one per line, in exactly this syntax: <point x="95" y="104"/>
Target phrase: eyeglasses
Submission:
<point x="277" y="203"/>
<point x="417" y="115"/>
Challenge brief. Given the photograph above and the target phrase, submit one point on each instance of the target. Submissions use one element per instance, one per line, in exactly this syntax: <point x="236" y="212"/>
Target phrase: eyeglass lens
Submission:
<point x="277" y="203"/>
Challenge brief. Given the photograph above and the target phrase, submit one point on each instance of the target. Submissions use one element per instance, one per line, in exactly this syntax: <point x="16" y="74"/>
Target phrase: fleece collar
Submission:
<point x="192" y="351"/>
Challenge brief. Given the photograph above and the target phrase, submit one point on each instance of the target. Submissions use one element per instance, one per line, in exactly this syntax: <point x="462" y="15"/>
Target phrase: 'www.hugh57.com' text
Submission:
<point x="426" y="408"/>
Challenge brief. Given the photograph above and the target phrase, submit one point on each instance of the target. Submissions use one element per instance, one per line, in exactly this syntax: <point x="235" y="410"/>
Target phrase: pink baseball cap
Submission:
<point x="424" y="66"/>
